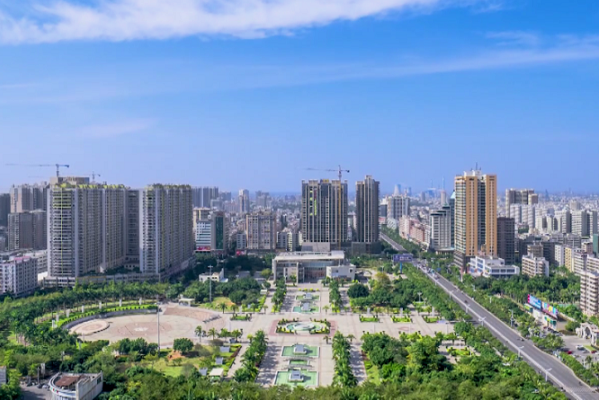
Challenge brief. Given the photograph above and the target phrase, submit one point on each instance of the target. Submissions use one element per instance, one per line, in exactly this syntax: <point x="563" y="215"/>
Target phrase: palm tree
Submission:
<point x="198" y="331"/>
<point x="350" y="337"/>
<point x="326" y="339"/>
<point x="223" y="306"/>
<point x="212" y="332"/>
<point x="326" y="308"/>
<point x="264" y="308"/>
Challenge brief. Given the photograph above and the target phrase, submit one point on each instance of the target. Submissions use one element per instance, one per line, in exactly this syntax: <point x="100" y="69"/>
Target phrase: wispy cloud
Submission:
<point x="117" y="20"/>
<point x="515" y="38"/>
<point x="117" y="129"/>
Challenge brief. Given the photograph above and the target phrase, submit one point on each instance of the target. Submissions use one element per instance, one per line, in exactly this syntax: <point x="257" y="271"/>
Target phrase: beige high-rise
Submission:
<point x="475" y="216"/>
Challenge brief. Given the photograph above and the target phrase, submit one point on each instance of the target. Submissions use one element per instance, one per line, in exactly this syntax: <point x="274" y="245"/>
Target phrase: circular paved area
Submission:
<point x="175" y="322"/>
<point x="90" y="327"/>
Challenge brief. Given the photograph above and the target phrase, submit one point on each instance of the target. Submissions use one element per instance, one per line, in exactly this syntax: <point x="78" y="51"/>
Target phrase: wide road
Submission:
<point x="547" y="365"/>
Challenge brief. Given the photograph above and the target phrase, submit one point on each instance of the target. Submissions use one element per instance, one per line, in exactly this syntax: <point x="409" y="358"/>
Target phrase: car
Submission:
<point x="593" y="351"/>
<point x="40" y="386"/>
<point x="569" y="352"/>
<point x="579" y="347"/>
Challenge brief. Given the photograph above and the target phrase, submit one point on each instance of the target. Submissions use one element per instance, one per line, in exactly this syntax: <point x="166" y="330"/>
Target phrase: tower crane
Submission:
<point x="93" y="175"/>
<point x="340" y="172"/>
<point x="57" y="166"/>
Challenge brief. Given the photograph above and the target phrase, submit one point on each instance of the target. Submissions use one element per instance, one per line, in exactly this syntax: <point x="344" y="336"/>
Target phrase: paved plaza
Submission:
<point x="179" y="321"/>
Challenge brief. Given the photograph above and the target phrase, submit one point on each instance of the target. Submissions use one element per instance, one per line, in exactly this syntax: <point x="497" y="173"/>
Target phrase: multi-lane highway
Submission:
<point x="547" y="365"/>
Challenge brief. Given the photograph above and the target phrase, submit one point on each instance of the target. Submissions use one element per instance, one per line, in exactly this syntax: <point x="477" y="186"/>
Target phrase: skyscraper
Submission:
<point x="367" y="210"/>
<point x="165" y="229"/>
<point x="440" y="228"/>
<point x="398" y="205"/>
<point x="261" y="231"/>
<point x="27" y="198"/>
<point x="519" y="196"/>
<point x="324" y="212"/>
<point x="202" y="196"/>
<point x="4" y="208"/>
<point x="86" y="229"/>
<point x="244" y="201"/>
<point x="219" y="232"/>
<point x="475" y="216"/>
<point x="506" y="240"/>
<point x="20" y="231"/>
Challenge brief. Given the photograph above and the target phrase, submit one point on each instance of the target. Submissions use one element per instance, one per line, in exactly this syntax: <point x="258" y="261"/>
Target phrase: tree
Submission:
<point x="223" y="306"/>
<point x="182" y="345"/>
<point x="266" y="273"/>
<point x="212" y="332"/>
<point x="358" y="290"/>
<point x="198" y="331"/>
<point x="350" y="337"/>
<point x="572" y="325"/>
<point x="326" y="308"/>
<point x="326" y="339"/>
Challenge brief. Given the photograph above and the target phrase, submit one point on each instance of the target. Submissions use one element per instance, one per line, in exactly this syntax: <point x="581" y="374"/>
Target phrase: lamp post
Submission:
<point x="210" y="278"/>
<point x="482" y="321"/>
<point x="547" y="373"/>
<point x="519" y="349"/>
<point x="512" y="319"/>
<point x="419" y="294"/>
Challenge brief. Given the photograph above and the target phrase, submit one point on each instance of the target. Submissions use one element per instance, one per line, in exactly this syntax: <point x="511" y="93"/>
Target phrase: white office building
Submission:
<point x="18" y="276"/>
<point x="492" y="267"/>
<point x="535" y="266"/>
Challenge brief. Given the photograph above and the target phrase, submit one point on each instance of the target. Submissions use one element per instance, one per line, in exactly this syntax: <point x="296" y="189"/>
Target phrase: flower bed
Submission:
<point x="373" y="318"/>
<point x="241" y="317"/>
<point x="403" y="318"/>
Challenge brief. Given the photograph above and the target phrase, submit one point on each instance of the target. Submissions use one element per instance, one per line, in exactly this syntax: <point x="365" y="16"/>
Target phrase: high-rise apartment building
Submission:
<point x="87" y="228"/>
<point x="324" y="212"/>
<point x="475" y="216"/>
<point x="201" y="213"/>
<point x="367" y="210"/>
<point x="39" y="229"/>
<point x="28" y="198"/>
<point x="4" y="208"/>
<point x="261" y="231"/>
<point x="440" y="228"/>
<point x="20" y="231"/>
<point x="584" y="222"/>
<point x="589" y="290"/>
<point x="219" y="232"/>
<point x="165" y="229"/>
<point x="519" y="196"/>
<point x="506" y="240"/>
<point x="398" y="205"/>
<point x="262" y="199"/>
<point x="244" y="201"/>
<point x="132" y="230"/>
<point x="202" y="196"/>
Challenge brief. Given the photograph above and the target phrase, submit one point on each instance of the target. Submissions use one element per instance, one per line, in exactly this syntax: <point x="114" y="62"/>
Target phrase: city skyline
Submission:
<point x="416" y="80"/>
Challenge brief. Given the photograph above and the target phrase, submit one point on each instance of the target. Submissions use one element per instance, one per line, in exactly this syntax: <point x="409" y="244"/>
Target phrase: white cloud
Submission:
<point x="518" y="38"/>
<point x="114" y="130"/>
<point x="117" y="20"/>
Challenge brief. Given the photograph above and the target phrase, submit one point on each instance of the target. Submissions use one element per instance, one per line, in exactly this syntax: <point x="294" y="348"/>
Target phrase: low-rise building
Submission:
<point x="342" y="272"/>
<point x="64" y="386"/>
<point x="535" y="266"/>
<point x="18" y="276"/>
<point x="492" y="267"/>
<point x="306" y="265"/>
<point x="215" y="276"/>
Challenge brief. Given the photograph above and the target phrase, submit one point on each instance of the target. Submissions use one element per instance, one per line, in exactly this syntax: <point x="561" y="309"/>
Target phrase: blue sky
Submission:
<point x="249" y="93"/>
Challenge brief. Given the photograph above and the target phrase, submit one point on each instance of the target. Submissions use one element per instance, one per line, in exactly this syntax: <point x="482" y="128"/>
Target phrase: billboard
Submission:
<point x="533" y="301"/>
<point x="549" y="309"/>
<point x="406" y="257"/>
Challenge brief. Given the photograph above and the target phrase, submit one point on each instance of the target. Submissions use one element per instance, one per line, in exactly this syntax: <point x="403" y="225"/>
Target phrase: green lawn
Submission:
<point x="175" y="368"/>
<point x="298" y="362"/>
<point x="368" y="319"/>
<point x="216" y="304"/>
<point x="401" y="319"/>
<point x="310" y="378"/>
<point x="431" y="320"/>
<point x="312" y="351"/>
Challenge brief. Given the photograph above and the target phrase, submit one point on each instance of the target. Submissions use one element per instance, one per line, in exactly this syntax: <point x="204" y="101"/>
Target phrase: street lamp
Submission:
<point x="519" y="349"/>
<point x="512" y="319"/>
<point x="546" y="373"/>
<point x="482" y="321"/>
<point x="419" y="294"/>
<point x="210" y="278"/>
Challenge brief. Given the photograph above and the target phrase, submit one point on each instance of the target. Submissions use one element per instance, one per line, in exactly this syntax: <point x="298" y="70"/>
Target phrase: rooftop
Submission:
<point x="310" y="255"/>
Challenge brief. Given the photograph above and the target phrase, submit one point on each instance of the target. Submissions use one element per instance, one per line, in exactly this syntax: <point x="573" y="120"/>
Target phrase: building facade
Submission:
<point x="165" y="229"/>
<point x="20" y="231"/>
<point x="87" y="229"/>
<point x="492" y="267"/>
<point x="306" y="266"/>
<point x="18" y="276"/>
<point x="475" y="216"/>
<point x="324" y="212"/>
<point x="506" y="240"/>
<point x="4" y="208"/>
<point x="244" y="201"/>
<point x="440" y="229"/>
<point x="261" y="231"/>
<point x="519" y="196"/>
<point x="367" y="210"/>
<point x="202" y="196"/>
<point x="535" y="266"/>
